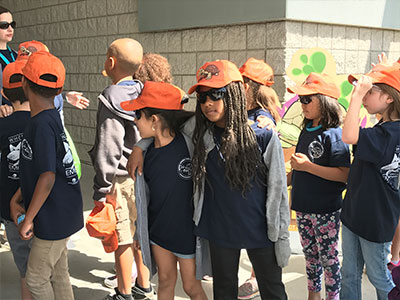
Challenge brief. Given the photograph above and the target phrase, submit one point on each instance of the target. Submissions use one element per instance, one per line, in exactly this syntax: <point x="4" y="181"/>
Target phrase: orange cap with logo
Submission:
<point x="389" y="75"/>
<point x="25" y="49"/>
<point x="258" y="71"/>
<point x="41" y="63"/>
<point x="316" y="84"/>
<point x="101" y="224"/>
<point x="10" y="70"/>
<point x="158" y="95"/>
<point x="216" y="74"/>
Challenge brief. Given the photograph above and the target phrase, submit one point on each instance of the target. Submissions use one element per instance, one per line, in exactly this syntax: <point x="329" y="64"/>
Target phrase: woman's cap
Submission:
<point x="43" y="63"/>
<point x="10" y="70"/>
<point x="389" y="75"/>
<point x="316" y="84"/>
<point x="216" y="74"/>
<point x="160" y="95"/>
<point x="25" y="49"/>
<point x="258" y="71"/>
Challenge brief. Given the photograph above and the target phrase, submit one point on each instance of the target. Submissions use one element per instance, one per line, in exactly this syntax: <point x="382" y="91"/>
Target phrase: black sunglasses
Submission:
<point x="214" y="94"/>
<point x="5" y="25"/>
<point x="305" y="99"/>
<point x="138" y="114"/>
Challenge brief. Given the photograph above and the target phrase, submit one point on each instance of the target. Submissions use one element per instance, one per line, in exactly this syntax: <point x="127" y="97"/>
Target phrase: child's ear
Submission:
<point x="112" y="62"/>
<point x="246" y="87"/>
<point x="389" y="99"/>
<point x="60" y="90"/>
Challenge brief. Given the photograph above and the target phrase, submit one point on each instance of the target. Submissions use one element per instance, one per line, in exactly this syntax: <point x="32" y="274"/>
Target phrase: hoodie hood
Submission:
<point x="113" y="95"/>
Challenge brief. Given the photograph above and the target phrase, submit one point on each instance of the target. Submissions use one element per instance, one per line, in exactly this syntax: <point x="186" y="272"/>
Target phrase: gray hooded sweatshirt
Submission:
<point x="116" y="134"/>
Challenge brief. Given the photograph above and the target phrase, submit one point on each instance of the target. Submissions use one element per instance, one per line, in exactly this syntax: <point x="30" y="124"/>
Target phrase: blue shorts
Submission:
<point x="19" y="248"/>
<point x="179" y="255"/>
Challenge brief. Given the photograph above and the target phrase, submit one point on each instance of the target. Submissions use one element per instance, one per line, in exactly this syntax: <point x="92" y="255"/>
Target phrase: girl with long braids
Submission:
<point x="240" y="197"/>
<point x="240" y="186"/>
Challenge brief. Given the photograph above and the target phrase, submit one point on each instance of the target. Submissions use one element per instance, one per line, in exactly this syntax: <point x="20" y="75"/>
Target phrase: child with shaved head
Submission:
<point x="116" y="134"/>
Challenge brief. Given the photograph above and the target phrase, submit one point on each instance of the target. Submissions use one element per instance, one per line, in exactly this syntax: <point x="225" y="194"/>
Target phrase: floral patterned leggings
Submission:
<point x="319" y="236"/>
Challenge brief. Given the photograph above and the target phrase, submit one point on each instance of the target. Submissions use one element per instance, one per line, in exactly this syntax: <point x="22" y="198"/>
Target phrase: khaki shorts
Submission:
<point x="122" y="196"/>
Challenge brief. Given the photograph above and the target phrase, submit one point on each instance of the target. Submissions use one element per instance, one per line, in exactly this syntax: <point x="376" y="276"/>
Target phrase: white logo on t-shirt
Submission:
<point x="315" y="149"/>
<point x="13" y="161"/>
<point x="391" y="172"/>
<point x="26" y="150"/>
<point x="185" y="168"/>
<point x="68" y="162"/>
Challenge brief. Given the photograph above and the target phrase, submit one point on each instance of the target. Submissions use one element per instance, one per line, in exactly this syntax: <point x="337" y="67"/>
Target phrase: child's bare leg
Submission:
<point x="191" y="285"/>
<point x="314" y="295"/>
<point x="167" y="272"/>
<point x="143" y="274"/>
<point x="25" y="293"/>
<point x="395" y="249"/>
<point x="124" y="261"/>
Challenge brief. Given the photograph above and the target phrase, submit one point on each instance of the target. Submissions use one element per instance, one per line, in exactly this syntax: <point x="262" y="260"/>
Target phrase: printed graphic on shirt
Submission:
<point x="13" y="156"/>
<point x="68" y="162"/>
<point x="26" y="150"/>
<point x="185" y="168"/>
<point x="391" y="172"/>
<point x="315" y="149"/>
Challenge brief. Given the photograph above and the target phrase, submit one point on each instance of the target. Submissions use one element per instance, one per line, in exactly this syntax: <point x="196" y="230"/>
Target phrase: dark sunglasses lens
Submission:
<point x="217" y="94"/>
<point x="13" y="24"/>
<point x="5" y="25"/>
<point x="305" y="99"/>
<point x="201" y="97"/>
<point x="138" y="114"/>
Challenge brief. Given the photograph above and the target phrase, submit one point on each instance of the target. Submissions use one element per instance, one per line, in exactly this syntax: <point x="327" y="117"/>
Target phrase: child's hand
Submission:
<point x="265" y="122"/>
<point x="6" y="110"/>
<point x="15" y="211"/>
<point x="135" y="162"/>
<point x="300" y="162"/>
<point x="136" y="245"/>
<point x="363" y="86"/>
<point x="26" y="230"/>
<point x="76" y="99"/>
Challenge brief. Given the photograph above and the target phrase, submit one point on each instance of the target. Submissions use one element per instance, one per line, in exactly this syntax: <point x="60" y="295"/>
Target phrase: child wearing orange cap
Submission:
<point x="11" y="135"/>
<point x="50" y="186"/>
<point x="322" y="162"/>
<point x="371" y="207"/>
<point x="168" y="178"/>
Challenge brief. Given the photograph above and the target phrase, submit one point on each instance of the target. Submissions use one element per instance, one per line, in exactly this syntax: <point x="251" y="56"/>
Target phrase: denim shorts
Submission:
<point x="19" y="248"/>
<point x="179" y="255"/>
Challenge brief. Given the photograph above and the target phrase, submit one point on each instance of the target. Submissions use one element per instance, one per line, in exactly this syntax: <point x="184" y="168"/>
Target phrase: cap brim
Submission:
<point x="353" y="78"/>
<point x="132" y="105"/>
<point x="301" y="90"/>
<point x="214" y="84"/>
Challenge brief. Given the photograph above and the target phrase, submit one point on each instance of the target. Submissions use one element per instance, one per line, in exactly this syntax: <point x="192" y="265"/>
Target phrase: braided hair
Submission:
<point x="239" y="146"/>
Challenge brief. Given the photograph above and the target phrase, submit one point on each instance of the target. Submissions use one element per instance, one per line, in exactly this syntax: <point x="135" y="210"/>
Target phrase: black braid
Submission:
<point x="238" y="145"/>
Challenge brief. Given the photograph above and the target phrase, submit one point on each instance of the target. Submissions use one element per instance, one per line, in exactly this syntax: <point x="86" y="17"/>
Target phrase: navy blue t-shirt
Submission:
<point x="371" y="206"/>
<point x="254" y="113"/>
<point x="311" y="193"/>
<point x="229" y="219"/>
<point x="168" y="174"/>
<point x="11" y="135"/>
<point x="45" y="148"/>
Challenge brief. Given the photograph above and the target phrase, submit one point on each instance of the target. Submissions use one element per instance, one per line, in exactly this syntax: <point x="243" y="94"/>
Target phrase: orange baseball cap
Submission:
<point x="41" y="63"/>
<point x="25" y="49"/>
<point x="216" y="74"/>
<point x="316" y="84"/>
<point x="258" y="71"/>
<point x="10" y="70"/>
<point x="158" y="95"/>
<point x="101" y="224"/>
<point x="389" y="75"/>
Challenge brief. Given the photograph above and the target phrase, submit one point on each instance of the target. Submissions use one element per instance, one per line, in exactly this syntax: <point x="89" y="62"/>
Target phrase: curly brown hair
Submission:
<point x="239" y="145"/>
<point x="154" y="67"/>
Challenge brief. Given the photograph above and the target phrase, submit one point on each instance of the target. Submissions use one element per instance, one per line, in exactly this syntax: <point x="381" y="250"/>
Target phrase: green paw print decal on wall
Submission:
<point x="316" y="63"/>
<point x="345" y="90"/>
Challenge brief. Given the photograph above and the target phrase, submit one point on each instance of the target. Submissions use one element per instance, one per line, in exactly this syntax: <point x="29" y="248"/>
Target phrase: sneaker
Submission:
<point x="249" y="289"/>
<point x="116" y="296"/>
<point x="392" y="265"/>
<point x="139" y="294"/>
<point x="111" y="282"/>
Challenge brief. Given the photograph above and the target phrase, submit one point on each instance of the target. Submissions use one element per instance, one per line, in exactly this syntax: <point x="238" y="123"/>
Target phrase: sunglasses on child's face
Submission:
<point x="305" y="99"/>
<point x="213" y="94"/>
<point x="5" y="25"/>
<point x="138" y="114"/>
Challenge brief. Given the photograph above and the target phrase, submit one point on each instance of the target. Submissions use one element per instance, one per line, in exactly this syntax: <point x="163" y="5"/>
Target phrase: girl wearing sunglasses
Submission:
<point x="320" y="169"/>
<point x="7" y="55"/>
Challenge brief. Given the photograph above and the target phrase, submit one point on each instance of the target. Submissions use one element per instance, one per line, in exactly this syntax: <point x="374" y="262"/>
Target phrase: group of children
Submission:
<point x="207" y="183"/>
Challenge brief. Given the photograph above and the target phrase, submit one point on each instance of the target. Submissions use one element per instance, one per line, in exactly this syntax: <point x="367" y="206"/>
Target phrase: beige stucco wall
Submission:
<point x="80" y="31"/>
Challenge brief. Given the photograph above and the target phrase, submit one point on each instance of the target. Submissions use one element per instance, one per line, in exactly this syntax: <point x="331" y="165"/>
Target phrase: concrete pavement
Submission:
<point x="89" y="264"/>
